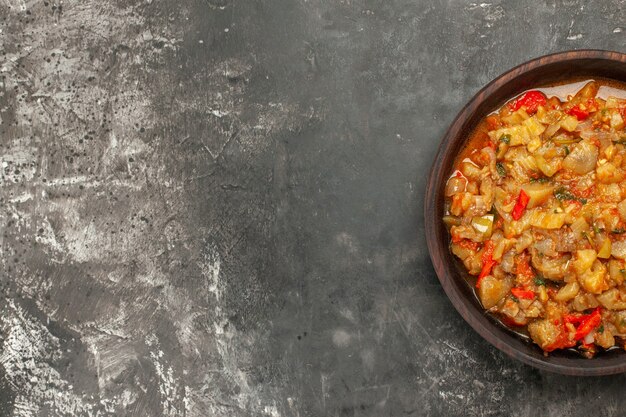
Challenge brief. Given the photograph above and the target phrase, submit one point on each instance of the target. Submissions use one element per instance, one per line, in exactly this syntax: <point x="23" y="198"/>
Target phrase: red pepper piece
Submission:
<point x="562" y="341"/>
<point x="573" y="318"/>
<point x="488" y="262"/>
<point x="531" y="100"/>
<point x="522" y="293"/>
<point x="520" y="206"/>
<point x="589" y="322"/>
<point x="578" y="112"/>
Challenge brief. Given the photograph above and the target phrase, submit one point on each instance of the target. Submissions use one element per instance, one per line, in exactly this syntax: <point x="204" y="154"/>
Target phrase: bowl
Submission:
<point x="546" y="70"/>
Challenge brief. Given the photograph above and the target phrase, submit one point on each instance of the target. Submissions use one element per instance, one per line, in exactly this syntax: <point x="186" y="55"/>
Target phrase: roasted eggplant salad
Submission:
<point x="536" y="210"/>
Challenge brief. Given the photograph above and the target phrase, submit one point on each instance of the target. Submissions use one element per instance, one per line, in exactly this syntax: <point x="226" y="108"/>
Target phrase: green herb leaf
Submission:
<point x="506" y="139"/>
<point x="514" y="298"/>
<point x="562" y="194"/>
<point x="539" y="281"/>
<point x="566" y="150"/>
<point x="601" y="328"/>
<point x="501" y="169"/>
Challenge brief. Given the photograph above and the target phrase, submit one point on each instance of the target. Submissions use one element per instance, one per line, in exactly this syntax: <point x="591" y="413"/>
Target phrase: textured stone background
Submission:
<point x="214" y="207"/>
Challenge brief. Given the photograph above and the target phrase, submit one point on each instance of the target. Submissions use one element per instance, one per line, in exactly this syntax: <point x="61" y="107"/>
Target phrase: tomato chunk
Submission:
<point x="531" y="100"/>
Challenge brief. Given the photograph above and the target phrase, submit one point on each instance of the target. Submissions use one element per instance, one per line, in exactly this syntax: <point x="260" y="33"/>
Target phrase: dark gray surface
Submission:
<point x="215" y="208"/>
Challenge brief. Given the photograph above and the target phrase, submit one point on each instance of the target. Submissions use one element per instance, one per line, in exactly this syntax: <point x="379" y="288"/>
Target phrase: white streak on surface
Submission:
<point x="226" y="343"/>
<point x="169" y="386"/>
<point x="27" y="352"/>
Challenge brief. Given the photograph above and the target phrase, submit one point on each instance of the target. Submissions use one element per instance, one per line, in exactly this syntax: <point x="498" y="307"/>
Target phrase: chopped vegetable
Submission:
<point x="582" y="158"/>
<point x="487" y="261"/>
<point x="584" y="260"/>
<point x="548" y="167"/>
<point x="621" y="209"/>
<point x="588" y="323"/>
<point x="616" y="271"/>
<point x="514" y="135"/>
<point x="531" y="100"/>
<point x="573" y="318"/>
<point x="567" y="292"/>
<point x="493" y="290"/>
<point x="618" y="248"/>
<point x="522" y="293"/>
<point x="452" y="221"/>
<point x="547" y="220"/>
<point x="535" y="128"/>
<point x="569" y="123"/>
<point x="550" y="335"/>
<point x="578" y="112"/>
<point x="537" y="193"/>
<point x="611" y="300"/>
<point x="536" y="209"/>
<point x="483" y="224"/>
<point x="605" y="249"/>
<point x="520" y="205"/>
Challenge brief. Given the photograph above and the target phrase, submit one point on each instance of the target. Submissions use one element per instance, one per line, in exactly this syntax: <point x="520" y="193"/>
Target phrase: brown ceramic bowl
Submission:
<point x="550" y="69"/>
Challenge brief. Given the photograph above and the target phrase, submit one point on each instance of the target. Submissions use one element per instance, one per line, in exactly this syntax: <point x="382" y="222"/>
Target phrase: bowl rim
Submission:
<point x="435" y="179"/>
